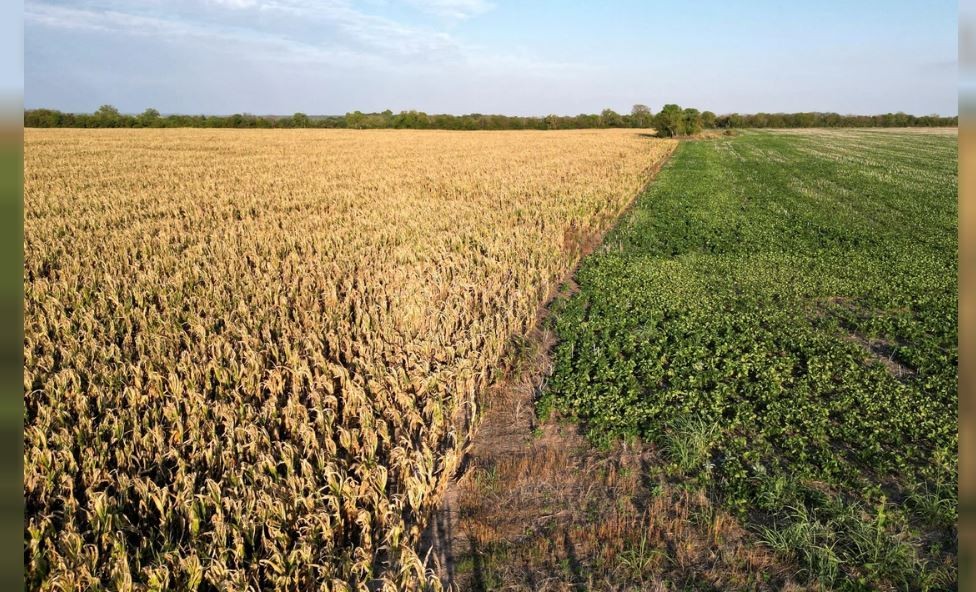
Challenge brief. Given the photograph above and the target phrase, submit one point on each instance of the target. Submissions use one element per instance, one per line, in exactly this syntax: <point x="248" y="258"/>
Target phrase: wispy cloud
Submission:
<point x="356" y="26"/>
<point x="358" y="39"/>
<point x="334" y="51"/>
<point x="331" y="32"/>
<point x="271" y="47"/>
<point x="453" y="9"/>
<point x="235" y="3"/>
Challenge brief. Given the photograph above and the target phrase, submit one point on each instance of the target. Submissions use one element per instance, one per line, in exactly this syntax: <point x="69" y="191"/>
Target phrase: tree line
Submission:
<point x="672" y="120"/>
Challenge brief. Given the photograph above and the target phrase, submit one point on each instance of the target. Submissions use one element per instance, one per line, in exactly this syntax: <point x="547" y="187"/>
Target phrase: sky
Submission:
<point x="490" y="56"/>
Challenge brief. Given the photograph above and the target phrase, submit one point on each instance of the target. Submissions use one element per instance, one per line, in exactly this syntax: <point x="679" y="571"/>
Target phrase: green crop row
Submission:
<point x="778" y="314"/>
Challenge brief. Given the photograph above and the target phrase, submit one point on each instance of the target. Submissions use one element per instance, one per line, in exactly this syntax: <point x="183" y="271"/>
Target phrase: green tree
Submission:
<point x="610" y="118"/>
<point x="670" y="121"/>
<point x="299" y="119"/>
<point x="735" y="121"/>
<point x="641" y="116"/>
<point x="805" y="120"/>
<point x="414" y="120"/>
<point x="44" y="118"/>
<point x="355" y="120"/>
<point x="107" y="116"/>
<point x="708" y="120"/>
<point x="149" y="117"/>
<point x="692" y="121"/>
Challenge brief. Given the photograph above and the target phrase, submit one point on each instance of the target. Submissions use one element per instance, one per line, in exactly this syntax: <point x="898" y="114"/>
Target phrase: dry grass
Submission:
<point x="538" y="508"/>
<point x="250" y="357"/>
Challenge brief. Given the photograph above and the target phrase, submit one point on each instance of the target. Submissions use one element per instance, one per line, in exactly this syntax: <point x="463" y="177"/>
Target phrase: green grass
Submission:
<point x="778" y="312"/>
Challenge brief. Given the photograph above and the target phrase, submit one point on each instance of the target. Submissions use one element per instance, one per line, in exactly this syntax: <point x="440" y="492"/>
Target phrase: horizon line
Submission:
<point x="485" y="114"/>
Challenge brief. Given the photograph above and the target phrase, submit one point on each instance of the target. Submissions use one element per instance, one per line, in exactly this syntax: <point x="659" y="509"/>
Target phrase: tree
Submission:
<point x="149" y="117"/>
<point x="831" y="120"/>
<point x="692" y="121"/>
<point x="417" y="120"/>
<point x="804" y="120"/>
<point x="44" y="118"/>
<point x="708" y="120"/>
<point x="107" y="116"/>
<point x="734" y="121"/>
<point x="669" y="122"/>
<point x="641" y="116"/>
<point x="584" y="120"/>
<point x="355" y="120"/>
<point x="610" y="118"/>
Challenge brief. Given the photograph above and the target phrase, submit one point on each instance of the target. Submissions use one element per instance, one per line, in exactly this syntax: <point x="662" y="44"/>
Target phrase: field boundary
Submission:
<point x="532" y="486"/>
<point x="507" y="418"/>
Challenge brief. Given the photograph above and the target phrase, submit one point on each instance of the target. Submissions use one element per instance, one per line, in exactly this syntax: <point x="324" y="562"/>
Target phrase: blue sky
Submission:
<point x="490" y="56"/>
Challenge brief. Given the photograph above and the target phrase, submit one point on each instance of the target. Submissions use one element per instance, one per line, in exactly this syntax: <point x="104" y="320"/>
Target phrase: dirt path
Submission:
<point x="536" y="507"/>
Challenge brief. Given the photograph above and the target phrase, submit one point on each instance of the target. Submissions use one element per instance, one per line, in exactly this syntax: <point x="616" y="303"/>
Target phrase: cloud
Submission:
<point x="235" y="3"/>
<point x="239" y="41"/>
<point x="385" y="34"/>
<point x="341" y="51"/>
<point x="453" y="9"/>
<point x="346" y="23"/>
<point x="326" y="31"/>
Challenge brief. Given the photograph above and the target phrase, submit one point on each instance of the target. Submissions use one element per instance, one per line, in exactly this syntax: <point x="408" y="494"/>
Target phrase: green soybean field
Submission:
<point x="778" y="314"/>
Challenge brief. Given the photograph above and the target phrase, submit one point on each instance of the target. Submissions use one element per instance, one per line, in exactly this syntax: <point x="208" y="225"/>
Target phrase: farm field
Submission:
<point x="777" y="316"/>
<point x="251" y="357"/>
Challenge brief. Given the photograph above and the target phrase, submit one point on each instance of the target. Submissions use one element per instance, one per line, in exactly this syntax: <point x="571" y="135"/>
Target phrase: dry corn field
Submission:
<point x="251" y="357"/>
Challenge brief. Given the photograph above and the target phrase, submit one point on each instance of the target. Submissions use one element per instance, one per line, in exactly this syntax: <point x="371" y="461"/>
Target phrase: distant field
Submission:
<point x="778" y="314"/>
<point x="250" y="357"/>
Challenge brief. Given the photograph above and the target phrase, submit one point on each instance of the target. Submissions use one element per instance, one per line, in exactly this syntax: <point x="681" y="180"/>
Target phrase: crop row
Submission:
<point x="778" y="313"/>
<point x="251" y="358"/>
